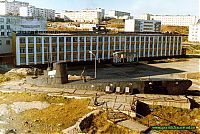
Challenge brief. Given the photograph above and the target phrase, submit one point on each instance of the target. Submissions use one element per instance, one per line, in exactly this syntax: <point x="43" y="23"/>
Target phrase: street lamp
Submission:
<point x="95" y="68"/>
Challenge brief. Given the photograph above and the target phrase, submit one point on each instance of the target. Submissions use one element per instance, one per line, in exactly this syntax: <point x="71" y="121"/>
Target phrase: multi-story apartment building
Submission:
<point x="194" y="32"/>
<point x="8" y="24"/>
<point x="17" y="8"/>
<point x="174" y="20"/>
<point x="137" y="25"/>
<point x="44" y="48"/>
<point x="117" y="14"/>
<point x="11" y="8"/>
<point x="85" y="15"/>
<point x="32" y="11"/>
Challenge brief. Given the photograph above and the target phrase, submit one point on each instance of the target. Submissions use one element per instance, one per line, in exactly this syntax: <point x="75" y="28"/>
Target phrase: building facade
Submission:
<point x="137" y="25"/>
<point x="8" y="24"/>
<point x="88" y="26"/>
<point x="117" y="14"/>
<point x="194" y="33"/>
<point x="85" y="15"/>
<point x="11" y="8"/>
<point x="32" y="11"/>
<point x="42" y="48"/>
<point x="173" y="20"/>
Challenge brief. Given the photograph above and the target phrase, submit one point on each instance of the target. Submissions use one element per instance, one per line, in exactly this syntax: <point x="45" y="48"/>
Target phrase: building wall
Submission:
<point x="37" y="12"/>
<point x="117" y="14"/>
<point x="174" y="20"/>
<point x="8" y="24"/>
<point x="42" y="49"/>
<point x="2" y="8"/>
<point x="86" y="15"/>
<point x="11" y="8"/>
<point x="194" y="33"/>
<point x="5" y="45"/>
<point x="136" y="25"/>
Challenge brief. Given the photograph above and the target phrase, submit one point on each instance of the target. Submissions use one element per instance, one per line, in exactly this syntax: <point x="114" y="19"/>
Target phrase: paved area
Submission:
<point x="165" y="100"/>
<point x="167" y="70"/>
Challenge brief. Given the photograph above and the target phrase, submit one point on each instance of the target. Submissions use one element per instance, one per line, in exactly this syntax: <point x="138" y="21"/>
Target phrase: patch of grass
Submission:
<point x="166" y="116"/>
<point x="195" y="75"/>
<point x="61" y="114"/>
<point x="100" y="125"/>
<point x="10" y="76"/>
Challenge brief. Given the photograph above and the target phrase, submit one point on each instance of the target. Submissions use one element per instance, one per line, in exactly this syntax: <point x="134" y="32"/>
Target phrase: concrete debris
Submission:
<point x="23" y="106"/>
<point x="22" y="71"/>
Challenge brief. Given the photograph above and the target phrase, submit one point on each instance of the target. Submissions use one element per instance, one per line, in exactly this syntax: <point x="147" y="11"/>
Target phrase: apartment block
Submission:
<point x="173" y="20"/>
<point x="8" y="24"/>
<point x="11" y="8"/>
<point x="137" y="25"/>
<point x="117" y="14"/>
<point x="43" y="48"/>
<point x="194" y="33"/>
<point x="85" y="15"/>
<point x="32" y="11"/>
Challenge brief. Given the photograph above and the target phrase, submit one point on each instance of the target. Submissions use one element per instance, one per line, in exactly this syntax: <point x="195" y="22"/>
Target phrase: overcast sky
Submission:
<point x="135" y="7"/>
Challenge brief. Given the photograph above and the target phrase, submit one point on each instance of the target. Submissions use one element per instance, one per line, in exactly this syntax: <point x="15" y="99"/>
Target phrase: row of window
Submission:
<point x="3" y="27"/>
<point x="100" y="39"/>
<point x="8" y="42"/>
<point x="100" y="55"/>
<point x="100" y="48"/>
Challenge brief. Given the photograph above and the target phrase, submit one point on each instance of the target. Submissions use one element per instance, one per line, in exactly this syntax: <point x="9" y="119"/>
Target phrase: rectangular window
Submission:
<point x="38" y="49"/>
<point x="30" y="50"/>
<point x="22" y="40"/>
<point x="7" y="21"/>
<point x="30" y="40"/>
<point x="94" y="39"/>
<point x="106" y="39"/>
<point x="1" y="20"/>
<point x="61" y="39"/>
<point x="7" y="42"/>
<point x="54" y="40"/>
<point x="100" y="39"/>
<point x="75" y="39"/>
<point x="8" y="27"/>
<point x="68" y="39"/>
<point x="87" y="39"/>
<point x="2" y="26"/>
<point x="81" y="39"/>
<point x="46" y="40"/>
<point x="38" y="40"/>
<point x="2" y="33"/>
<point x="23" y="60"/>
<point x="22" y="50"/>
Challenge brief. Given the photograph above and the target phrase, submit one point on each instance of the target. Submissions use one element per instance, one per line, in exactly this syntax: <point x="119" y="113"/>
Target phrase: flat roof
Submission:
<point x="91" y="33"/>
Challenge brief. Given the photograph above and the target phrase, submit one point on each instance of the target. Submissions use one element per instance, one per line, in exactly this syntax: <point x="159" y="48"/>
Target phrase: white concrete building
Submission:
<point x="42" y="48"/>
<point x="194" y="33"/>
<point x="32" y="11"/>
<point x="88" y="26"/>
<point x="173" y="20"/>
<point x="117" y="14"/>
<point x="137" y="25"/>
<point x="8" y="24"/>
<point x="85" y="15"/>
<point x="11" y="7"/>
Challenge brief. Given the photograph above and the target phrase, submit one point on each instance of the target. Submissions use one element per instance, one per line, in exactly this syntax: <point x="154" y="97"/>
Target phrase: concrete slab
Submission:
<point x="80" y="92"/>
<point x="71" y="91"/>
<point x="89" y="92"/>
<point x="121" y="99"/>
<point x="133" y="125"/>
